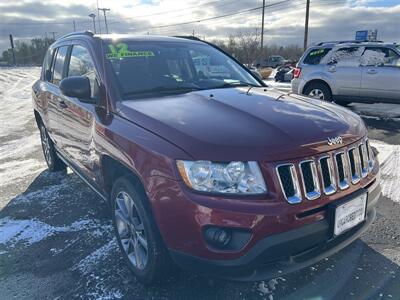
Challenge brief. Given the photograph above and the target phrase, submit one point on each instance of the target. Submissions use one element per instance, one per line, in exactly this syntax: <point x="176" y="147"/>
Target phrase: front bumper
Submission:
<point x="284" y="252"/>
<point x="297" y="85"/>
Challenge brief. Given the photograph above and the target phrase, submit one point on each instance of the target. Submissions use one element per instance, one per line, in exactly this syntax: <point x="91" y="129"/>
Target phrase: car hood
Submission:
<point x="238" y="124"/>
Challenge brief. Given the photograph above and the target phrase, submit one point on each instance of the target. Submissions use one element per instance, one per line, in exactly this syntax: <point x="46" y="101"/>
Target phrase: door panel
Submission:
<point x="77" y="119"/>
<point x="343" y="65"/>
<point x="381" y="74"/>
<point x="347" y="79"/>
<point x="77" y="124"/>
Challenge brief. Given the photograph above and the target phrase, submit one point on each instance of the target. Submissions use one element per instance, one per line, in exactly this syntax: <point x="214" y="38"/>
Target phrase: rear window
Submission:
<point x="314" y="56"/>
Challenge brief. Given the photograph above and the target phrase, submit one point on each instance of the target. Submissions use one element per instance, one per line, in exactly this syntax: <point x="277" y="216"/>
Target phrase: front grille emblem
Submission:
<point x="335" y="140"/>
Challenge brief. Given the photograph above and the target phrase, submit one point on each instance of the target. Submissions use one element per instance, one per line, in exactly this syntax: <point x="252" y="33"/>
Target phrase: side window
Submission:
<point x="47" y="64"/>
<point x="383" y="57"/>
<point x="58" y="70"/>
<point x="81" y="64"/>
<point x="345" y="57"/>
<point x="314" y="56"/>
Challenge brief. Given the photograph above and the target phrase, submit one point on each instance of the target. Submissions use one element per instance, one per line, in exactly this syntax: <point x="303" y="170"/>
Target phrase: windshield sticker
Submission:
<point x="317" y="52"/>
<point x="121" y="51"/>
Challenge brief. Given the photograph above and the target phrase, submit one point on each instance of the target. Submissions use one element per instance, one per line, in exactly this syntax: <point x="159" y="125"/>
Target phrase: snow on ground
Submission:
<point x="33" y="231"/>
<point x="390" y="173"/>
<point x="18" y="141"/>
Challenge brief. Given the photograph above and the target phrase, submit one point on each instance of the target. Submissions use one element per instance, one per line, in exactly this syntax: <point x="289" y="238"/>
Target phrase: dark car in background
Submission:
<point x="210" y="170"/>
<point x="272" y="61"/>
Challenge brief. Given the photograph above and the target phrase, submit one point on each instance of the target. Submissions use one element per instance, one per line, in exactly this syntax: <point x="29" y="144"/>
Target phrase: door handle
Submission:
<point x="332" y="69"/>
<point x="372" y="71"/>
<point x="62" y="104"/>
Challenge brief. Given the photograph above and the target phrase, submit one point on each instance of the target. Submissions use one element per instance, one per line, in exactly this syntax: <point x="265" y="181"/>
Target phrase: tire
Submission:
<point x="342" y="103"/>
<point x="318" y="90"/>
<point x="54" y="163"/>
<point x="140" y="241"/>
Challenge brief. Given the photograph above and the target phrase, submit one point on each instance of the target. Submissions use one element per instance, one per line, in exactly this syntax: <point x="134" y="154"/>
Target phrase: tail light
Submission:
<point x="297" y="72"/>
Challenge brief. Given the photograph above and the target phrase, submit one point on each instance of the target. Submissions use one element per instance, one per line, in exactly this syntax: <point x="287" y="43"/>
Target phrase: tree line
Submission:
<point x="27" y="52"/>
<point x="243" y="46"/>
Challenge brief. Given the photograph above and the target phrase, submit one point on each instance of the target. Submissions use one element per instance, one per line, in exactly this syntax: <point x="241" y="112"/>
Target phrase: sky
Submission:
<point x="210" y="19"/>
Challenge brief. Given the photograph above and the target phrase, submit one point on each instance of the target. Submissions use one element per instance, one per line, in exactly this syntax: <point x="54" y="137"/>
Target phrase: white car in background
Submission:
<point x="346" y="72"/>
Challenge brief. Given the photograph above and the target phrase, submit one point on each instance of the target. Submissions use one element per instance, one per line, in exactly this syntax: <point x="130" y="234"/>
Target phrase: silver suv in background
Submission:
<point x="347" y="72"/>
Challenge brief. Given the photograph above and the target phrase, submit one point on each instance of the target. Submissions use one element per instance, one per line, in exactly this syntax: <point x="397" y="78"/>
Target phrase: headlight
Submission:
<point x="235" y="177"/>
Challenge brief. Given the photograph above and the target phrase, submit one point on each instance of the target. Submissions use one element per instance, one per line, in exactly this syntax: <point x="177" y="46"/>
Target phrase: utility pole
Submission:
<point x="73" y="21"/>
<point x="193" y="33"/>
<point x="12" y="49"/>
<point x="93" y="16"/>
<point x="306" y="25"/>
<point x="105" y="17"/>
<point x="262" y="27"/>
<point x="54" y="34"/>
<point x="98" y="14"/>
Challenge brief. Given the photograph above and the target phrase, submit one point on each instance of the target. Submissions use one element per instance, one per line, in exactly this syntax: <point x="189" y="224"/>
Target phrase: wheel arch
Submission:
<point x="313" y="81"/>
<point x="112" y="169"/>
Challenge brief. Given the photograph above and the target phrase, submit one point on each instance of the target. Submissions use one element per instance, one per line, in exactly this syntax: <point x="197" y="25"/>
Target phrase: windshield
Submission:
<point x="142" y="67"/>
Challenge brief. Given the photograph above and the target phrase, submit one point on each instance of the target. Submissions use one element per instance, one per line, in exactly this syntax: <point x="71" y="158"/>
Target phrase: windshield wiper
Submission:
<point x="161" y="89"/>
<point x="234" y="83"/>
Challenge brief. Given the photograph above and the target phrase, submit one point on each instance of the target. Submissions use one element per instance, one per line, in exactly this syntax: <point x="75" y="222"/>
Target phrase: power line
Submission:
<point x="221" y="16"/>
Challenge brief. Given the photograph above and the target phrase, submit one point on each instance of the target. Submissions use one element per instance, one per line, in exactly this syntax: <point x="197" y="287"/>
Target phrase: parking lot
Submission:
<point x="57" y="242"/>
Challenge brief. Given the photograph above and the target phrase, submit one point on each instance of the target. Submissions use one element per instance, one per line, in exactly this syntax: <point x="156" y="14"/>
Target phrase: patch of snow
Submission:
<point x="267" y="288"/>
<point x="17" y="170"/>
<point x="13" y="231"/>
<point x="86" y="265"/>
<point x="390" y="174"/>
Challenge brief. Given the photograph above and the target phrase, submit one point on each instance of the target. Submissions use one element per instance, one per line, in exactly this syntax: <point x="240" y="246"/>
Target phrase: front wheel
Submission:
<point x="137" y="234"/>
<point x="319" y="91"/>
<point x="54" y="163"/>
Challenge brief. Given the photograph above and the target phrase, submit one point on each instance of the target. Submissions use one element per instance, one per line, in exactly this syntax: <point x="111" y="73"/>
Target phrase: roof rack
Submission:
<point x="189" y="37"/>
<point x="86" y="32"/>
<point x="348" y="41"/>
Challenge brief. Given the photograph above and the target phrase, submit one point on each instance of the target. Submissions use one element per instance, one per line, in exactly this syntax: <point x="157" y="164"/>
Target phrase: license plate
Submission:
<point x="350" y="214"/>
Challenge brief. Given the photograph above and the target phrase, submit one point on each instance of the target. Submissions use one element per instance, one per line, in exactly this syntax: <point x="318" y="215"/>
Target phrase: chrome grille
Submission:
<point x="328" y="174"/>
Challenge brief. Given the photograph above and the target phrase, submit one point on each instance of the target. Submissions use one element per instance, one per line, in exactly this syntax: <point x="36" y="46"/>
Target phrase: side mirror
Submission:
<point x="77" y="86"/>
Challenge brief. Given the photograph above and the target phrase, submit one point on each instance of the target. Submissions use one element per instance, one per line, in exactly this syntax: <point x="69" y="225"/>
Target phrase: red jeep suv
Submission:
<point x="203" y="164"/>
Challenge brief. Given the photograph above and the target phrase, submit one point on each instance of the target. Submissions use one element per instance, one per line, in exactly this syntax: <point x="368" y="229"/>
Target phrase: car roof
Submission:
<point x="131" y="37"/>
<point x="352" y="44"/>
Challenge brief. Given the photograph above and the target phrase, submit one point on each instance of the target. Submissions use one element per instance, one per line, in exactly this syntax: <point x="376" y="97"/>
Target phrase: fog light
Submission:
<point x="217" y="237"/>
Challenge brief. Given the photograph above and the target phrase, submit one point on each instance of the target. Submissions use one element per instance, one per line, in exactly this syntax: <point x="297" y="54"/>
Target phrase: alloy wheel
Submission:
<point x="317" y="94"/>
<point x="131" y="230"/>
<point x="45" y="145"/>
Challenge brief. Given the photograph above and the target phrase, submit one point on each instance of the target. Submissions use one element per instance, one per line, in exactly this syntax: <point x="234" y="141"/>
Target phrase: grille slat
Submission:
<point x="328" y="180"/>
<point x="354" y="160"/>
<point x="289" y="183"/>
<point x="310" y="179"/>
<point x="334" y="172"/>
<point x="342" y="170"/>
<point x="363" y="160"/>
